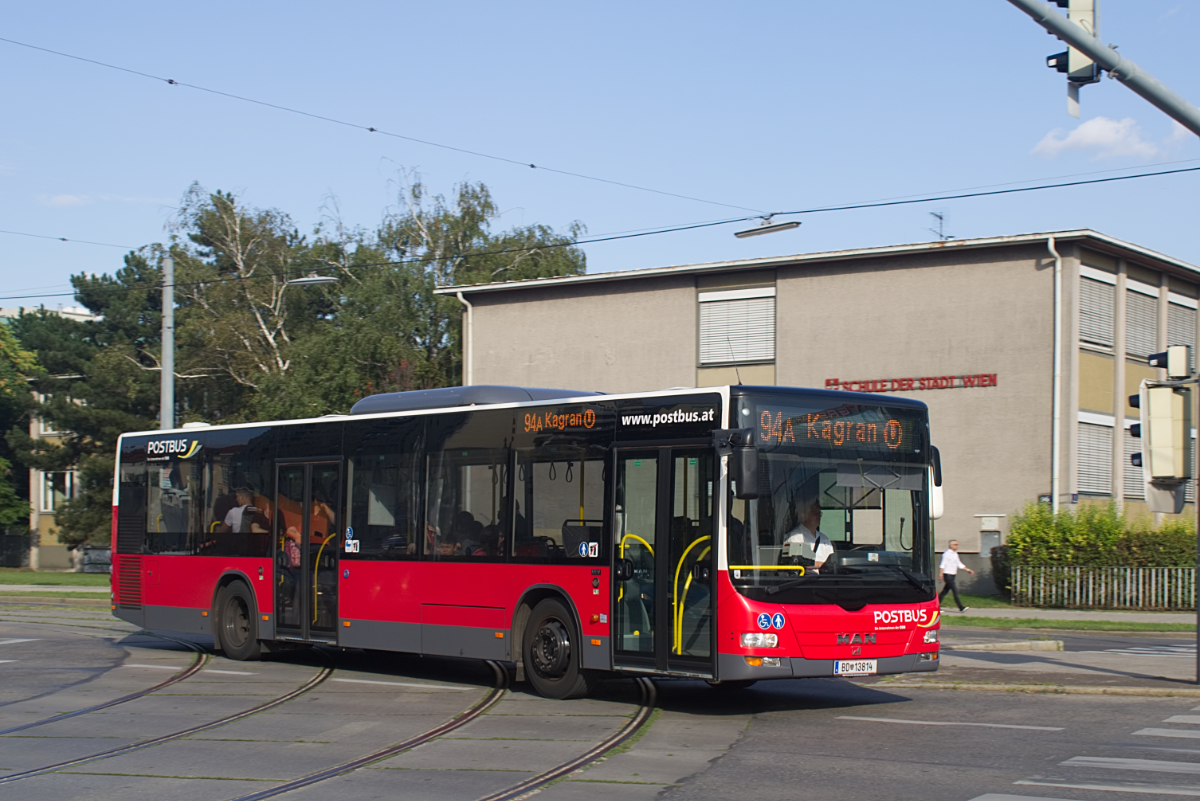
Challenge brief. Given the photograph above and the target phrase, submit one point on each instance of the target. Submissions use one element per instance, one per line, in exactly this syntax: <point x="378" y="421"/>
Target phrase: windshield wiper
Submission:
<point x="913" y="578"/>
<point x="787" y="585"/>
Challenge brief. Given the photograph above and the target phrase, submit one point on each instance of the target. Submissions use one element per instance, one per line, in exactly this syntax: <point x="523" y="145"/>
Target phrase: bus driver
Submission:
<point x="806" y="540"/>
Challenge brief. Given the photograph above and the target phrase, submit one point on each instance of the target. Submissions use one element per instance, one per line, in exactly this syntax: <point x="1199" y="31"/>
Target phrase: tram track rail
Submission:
<point x="460" y="720"/>
<point x="197" y="665"/>
<point x="617" y="738"/>
<point x="316" y="680"/>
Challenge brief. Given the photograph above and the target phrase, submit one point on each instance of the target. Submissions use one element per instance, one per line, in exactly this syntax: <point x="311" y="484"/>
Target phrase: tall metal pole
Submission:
<point x="167" y="386"/>
<point x="1120" y="68"/>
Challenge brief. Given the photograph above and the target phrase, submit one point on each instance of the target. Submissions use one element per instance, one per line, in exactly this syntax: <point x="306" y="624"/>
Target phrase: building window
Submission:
<point x="1096" y="312"/>
<point x="737" y="326"/>
<point x="56" y="488"/>
<point x="1141" y="324"/>
<point x="1095" y="459"/>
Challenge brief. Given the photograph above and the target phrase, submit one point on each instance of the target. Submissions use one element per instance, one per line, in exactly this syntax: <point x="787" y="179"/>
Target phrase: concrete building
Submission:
<point x="1024" y="348"/>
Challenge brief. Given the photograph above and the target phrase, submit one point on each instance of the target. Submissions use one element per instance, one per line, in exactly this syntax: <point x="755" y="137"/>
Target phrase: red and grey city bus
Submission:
<point x="574" y="534"/>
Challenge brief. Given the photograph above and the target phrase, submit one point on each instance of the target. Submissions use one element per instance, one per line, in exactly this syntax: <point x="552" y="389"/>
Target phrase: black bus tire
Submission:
<point x="552" y="652"/>
<point x="237" y="630"/>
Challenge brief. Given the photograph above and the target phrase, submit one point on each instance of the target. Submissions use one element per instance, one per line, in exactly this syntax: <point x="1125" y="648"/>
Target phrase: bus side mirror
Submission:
<point x="738" y="443"/>
<point x="936" y="503"/>
<point x="743" y="467"/>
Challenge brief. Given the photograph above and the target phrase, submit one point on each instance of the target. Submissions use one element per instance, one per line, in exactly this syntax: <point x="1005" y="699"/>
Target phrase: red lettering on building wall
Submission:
<point x="969" y="381"/>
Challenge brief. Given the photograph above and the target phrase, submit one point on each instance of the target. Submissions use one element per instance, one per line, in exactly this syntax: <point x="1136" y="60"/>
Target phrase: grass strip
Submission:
<point x="1063" y="625"/>
<point x="83" y="596"/>
<point x="20" y="575"/>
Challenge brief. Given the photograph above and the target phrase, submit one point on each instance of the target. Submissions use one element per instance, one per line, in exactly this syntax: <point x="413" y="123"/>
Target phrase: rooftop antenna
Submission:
<point x="940" y="231"/>
<point x="733" y="356"/>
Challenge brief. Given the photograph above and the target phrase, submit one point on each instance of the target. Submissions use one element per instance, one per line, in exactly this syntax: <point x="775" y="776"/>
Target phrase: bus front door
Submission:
<point x="307" y="522"/>
<point x="663" y="602"/>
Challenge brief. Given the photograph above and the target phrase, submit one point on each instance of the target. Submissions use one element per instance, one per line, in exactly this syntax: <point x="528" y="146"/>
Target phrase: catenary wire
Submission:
<point x="372" y="129"/>
<point x="673" y="229"/>
<point x="65" y="239"/>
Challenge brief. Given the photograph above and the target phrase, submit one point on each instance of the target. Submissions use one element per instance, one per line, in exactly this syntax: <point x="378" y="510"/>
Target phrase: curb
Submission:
<point x="1047" y="689"/>
<point x="1019" y="645"/>
<point x="19" y="599"/>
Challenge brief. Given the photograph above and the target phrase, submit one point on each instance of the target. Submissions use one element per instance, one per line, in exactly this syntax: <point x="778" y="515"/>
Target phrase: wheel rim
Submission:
<point x="551" y="649"/>
<point x="237" y="622"/>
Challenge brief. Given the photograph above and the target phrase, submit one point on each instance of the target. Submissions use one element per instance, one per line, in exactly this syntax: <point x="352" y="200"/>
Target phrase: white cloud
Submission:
<point x="64" y="200"/>
<point x="1108" y="138"/>
<point x="79" y="200"/>
<point x="1178" y="133"/>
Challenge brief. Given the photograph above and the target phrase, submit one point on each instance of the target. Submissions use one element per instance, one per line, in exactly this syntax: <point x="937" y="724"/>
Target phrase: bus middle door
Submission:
<point x="307" y="543"/>
<point x="662" y="596"/>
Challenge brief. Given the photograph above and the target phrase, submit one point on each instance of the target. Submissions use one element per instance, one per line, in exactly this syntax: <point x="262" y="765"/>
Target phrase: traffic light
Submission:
<point x="1176" y="360"/>
<point x="1166" y="460"/>
<point x="1079" y="68"/>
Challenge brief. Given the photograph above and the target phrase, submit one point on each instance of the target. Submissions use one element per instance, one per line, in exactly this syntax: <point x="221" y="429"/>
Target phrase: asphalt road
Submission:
<point x="824" y="738"/>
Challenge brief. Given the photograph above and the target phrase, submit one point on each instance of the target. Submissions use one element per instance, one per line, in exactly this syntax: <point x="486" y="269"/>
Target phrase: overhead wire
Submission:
<point x="373" y="129"/>
<point x="688" y="227"/>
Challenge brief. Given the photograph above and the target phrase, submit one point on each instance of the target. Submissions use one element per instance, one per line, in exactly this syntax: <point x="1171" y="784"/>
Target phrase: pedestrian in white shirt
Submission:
<point x="948" y="572"/>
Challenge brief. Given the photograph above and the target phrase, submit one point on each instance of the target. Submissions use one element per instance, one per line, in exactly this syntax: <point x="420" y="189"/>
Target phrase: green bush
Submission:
<point x="1172" y="545"/>
<point x="1098" y="535"/>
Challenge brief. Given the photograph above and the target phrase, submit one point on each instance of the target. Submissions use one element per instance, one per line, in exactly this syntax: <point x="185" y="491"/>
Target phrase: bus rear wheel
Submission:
<point x="553" y="654"/>
<point x="237" y="632"/>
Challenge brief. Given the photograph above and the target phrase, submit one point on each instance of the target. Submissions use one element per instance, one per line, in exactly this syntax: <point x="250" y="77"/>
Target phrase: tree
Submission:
<point x="96" y="380"/>
<point x="249" y="345"/>
<point x="384" y="329"/>
<point x="16" y="366"/>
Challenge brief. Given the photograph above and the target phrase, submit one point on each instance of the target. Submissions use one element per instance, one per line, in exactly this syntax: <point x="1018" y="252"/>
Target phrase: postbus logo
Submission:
<point x="181" y="447"/>
<point x="920" y="617"/>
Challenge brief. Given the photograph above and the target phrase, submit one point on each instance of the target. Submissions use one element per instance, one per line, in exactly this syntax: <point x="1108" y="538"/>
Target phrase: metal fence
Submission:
<point x="89" y="559"/>
<point x="1105" y="587"/>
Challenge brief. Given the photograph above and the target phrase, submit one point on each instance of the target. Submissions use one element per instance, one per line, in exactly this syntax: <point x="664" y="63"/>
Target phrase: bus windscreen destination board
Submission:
<point x="866" y="430"/>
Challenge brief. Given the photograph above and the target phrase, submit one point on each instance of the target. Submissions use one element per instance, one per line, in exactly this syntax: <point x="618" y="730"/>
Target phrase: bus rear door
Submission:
<point x="662" y="595"/>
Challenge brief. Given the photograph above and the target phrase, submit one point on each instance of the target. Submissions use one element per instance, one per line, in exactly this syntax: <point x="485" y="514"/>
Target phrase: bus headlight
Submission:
<point x="758" y="639"/>
<point x="931" y="636"/>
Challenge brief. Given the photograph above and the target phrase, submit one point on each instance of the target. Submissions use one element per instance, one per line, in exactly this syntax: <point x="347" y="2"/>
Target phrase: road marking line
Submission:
<point x="1187" y="735"/>
<point x="1183" y="719"/>
<point x="1156" y="789"/>
<point x="1008" y="797"/>
<point x="3" y="661"/>
<point x="14" y="642"/>
<point x="404" y="684"/>
<point x="951" y="723"/>
<point x="233" y="672"/>
<point x="153" y="667"/>
<point x="1117" y="763"/>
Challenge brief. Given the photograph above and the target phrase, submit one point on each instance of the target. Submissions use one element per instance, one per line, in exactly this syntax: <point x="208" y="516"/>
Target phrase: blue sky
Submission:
<point x="773" y="106"/>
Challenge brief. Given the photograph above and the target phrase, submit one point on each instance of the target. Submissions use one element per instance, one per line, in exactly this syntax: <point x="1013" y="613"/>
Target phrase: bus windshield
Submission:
<point x="842" y="514"/>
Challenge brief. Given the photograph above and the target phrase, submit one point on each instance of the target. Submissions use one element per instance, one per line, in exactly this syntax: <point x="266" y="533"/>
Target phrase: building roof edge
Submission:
<point x="1108" y="243"/>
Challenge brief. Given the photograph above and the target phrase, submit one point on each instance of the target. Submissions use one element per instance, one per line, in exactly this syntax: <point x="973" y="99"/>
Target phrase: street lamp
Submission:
<point x="312" y="279"/>
<point x="767" y="227"/>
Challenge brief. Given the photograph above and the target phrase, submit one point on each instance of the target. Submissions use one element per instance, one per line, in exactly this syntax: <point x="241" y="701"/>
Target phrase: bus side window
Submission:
<point x="561" y="489"/>
<point x="383" y="504"/>
<point x="468" y="480"/>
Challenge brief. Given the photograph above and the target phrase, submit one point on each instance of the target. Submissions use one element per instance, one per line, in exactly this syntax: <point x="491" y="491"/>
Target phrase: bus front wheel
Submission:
<point x="553" y="652"/>
<point x="237" y="632"/>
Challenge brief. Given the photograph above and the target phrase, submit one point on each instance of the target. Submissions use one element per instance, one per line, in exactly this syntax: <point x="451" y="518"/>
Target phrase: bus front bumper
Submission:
<point x="733" y="667"/>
